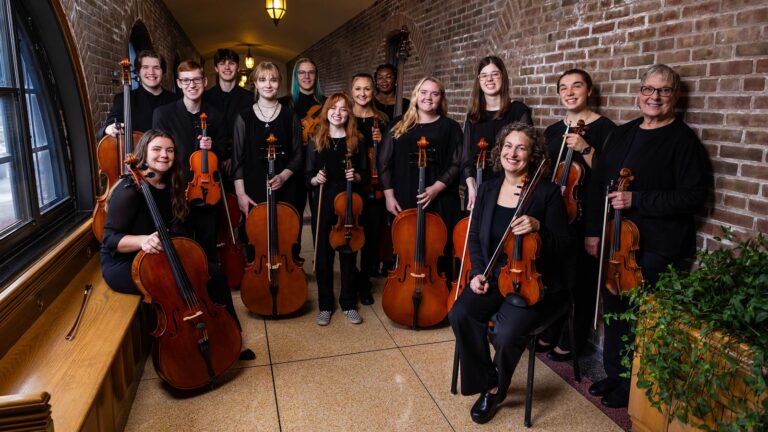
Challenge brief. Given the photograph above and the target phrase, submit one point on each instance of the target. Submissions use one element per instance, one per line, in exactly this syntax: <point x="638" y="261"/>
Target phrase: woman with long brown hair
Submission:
<point x="335" y="138"/>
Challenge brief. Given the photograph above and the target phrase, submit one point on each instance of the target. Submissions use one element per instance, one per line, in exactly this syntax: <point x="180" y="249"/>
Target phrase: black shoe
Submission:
<point x="558" y="357"/>
<point x="619" y="398"/>
<point x="485" y="408"/>
<point x="540" y="348"/>
<point x="603" y="387"/>
<point x="366" y="299"/>
<point x="247" y="355"/>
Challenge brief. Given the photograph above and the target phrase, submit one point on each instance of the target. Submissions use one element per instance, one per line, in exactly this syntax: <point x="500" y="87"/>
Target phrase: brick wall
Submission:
<point x="101" y="30"/>
<point x="720" y="47"/>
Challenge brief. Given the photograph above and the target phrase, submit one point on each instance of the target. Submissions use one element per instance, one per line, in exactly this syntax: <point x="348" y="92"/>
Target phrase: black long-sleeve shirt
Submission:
<point x="229" y="103"/>
<point x="143" y="104"/>
<point x="671" y="180"/>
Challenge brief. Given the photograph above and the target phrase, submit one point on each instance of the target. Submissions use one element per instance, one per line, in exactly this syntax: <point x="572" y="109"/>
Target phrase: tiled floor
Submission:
<point x="376" y="376"/>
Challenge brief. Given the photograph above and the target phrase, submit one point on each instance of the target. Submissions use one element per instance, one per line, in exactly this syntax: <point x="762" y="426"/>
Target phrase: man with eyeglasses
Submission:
<point x="386" y="90"/>
<point x="149" y="95"/>
<point x="671" y="178"/>
<point x="181" y="119"/>
<point x="227" y="96"/>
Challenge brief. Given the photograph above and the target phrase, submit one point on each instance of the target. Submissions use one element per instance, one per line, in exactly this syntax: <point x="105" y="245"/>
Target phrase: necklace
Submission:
<point x="336" y="142"/>
<point x="271" y="116"/>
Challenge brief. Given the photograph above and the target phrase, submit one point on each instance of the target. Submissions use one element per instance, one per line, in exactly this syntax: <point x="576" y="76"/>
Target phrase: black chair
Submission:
<point x="568" y="309"/>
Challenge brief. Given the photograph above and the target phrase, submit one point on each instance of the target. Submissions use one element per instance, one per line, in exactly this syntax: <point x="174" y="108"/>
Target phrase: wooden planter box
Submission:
<point x="646" y="418"/>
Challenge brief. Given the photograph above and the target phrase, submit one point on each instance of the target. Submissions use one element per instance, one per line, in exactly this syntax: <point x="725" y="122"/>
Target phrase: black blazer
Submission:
<point x="546" y="205"/>
<point x="177" y="121"/>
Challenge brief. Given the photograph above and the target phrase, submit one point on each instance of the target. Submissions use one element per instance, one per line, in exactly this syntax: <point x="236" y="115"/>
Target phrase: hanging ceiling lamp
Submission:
<point x="249" y="60"/>
<point x="276" y="9"/>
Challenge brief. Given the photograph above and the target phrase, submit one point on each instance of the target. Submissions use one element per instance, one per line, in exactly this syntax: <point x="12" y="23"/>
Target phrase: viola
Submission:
<point x="273" y="283"/>
<point x="375" y="191"/>
<point x="569" y="175"/>
<point x="623" y="239"/>
<point x="461" y="231"/>
<point x="310" y="122"/>
<point x="230" y="251"/>
<point x="111" y="152"/>
<point x="197" y="340"/>
<point x="415" y="293"/>
<point x="519" y="277"/>
<point x="204" y="189"/>
<point x="347" y="233"/>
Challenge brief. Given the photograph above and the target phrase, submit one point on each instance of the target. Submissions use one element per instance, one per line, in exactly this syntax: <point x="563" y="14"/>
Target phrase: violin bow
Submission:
<point x="602" y="253"/>
<point x="317" y="224"/>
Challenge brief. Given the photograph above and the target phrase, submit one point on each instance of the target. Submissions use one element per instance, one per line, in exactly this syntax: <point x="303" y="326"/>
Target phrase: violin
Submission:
<point x="347" y="205"/>
<point x="375" y="191"/>
<point x="230" y="252"/>
<point x="111" y="152"/>
<point x="197" y="340"/>
<point x="403" y="52"/>
<point x="461" y="231"/>
<point x="273" y="283"/>
<point x="569" y="175"/>
<point x="415" y="293"/>
<point x="204" y="189"/>
<point x="309" y="122"/>
<point x="519" y="277"/>
<point x="623" y="240"/>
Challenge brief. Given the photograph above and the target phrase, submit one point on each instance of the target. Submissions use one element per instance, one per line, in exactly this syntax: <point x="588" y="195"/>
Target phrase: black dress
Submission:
<point x="398" y="170"/>
<point x="471" y="312"/>
<point x="128" y="214"/>
<point x="332" y="160"/>
<point x="581" y="268"/>
<point x="672" y="176"/>
<point x="488" y="128"/>
<point x="389" y="110"/>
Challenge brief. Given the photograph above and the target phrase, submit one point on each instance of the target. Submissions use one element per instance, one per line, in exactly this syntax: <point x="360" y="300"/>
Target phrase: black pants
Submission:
<point x="373" y="222"/>
<point x="652" y="265"/>
<point x="204" y="221"/>
<point x="469" y="319"/>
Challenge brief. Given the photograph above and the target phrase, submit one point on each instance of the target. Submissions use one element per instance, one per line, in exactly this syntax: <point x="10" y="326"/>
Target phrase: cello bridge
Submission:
<point x="418" y="275"/>
<point x="193" y="316"/>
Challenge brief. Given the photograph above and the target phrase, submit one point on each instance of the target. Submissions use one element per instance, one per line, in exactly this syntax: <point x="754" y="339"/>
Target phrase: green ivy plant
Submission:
<point x="725" y="300"/>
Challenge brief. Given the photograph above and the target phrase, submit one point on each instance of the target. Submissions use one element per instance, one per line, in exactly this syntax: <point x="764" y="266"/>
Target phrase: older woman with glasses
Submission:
<point x="670" y="171"/>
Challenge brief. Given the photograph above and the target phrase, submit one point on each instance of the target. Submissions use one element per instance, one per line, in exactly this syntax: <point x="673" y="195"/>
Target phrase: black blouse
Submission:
<point x="397" y="161"/>
<point x="595" y="135"/>
<point x="249" y="157"/>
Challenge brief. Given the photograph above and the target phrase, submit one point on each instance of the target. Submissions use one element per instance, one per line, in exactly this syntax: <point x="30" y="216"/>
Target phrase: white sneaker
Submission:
<point x="323" y="318"/>
<point x="353" y="316"/>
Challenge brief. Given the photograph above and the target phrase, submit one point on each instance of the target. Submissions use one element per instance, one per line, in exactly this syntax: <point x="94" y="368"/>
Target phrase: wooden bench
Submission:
<point x="92" y="379"/>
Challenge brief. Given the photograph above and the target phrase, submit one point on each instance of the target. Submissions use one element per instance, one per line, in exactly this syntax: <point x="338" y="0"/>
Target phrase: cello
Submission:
<point x="518" y="277"/>
<point x="111" y="152"/>
<point x="415" y="293"/>
<point x="197" y="340"/>
<point x="229" y="250"/>
<point x="623" y="239"/>
<point x="347" y="205"/>
<point x="273" y="283"/>
<point x="461" y="231"/>
<point x="204" y="188"/>
<point x="569" y="175"/>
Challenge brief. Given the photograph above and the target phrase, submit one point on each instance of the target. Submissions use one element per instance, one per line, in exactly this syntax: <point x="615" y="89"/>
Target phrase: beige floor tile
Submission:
<point x="402" y="335"/>
<point x="300" y="338"/>
<point x="556" y="406"/>
<point x="245" y="402"/>
<point x="374" y="391"/>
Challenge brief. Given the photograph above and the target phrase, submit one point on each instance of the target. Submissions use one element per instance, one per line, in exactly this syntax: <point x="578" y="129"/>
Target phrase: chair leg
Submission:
<point x="529" y="385"/>
<point x="574" y="350"/>
<point x="455" y="373"/>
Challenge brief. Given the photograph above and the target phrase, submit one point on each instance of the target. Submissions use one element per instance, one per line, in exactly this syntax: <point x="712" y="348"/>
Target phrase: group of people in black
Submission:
<point x="665" y="156"/>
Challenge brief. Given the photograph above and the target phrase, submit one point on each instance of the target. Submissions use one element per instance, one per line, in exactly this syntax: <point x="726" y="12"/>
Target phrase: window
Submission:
<point x="37" y="187"/>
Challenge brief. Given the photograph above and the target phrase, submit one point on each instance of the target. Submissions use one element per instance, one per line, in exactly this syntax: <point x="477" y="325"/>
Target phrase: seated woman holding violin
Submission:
<point x="519" y="157"/>
<point x="130" y="227"/>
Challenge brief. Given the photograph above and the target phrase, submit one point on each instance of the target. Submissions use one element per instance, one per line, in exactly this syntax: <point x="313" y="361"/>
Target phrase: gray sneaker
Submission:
<point x="324" y="318"/>
<point x="353" y="316"/>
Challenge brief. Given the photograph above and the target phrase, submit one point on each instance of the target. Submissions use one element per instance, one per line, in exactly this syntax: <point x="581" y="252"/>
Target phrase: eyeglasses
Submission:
<point x="185" y="82"/>
<point x="663" y="92"/>
<point x="489" y="76"/>
<point x="306" y="73"/>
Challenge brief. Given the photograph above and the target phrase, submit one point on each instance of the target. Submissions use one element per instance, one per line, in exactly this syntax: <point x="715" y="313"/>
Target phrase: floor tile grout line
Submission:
<point x="439" y="408"/>
<point x="272" y="372"/>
